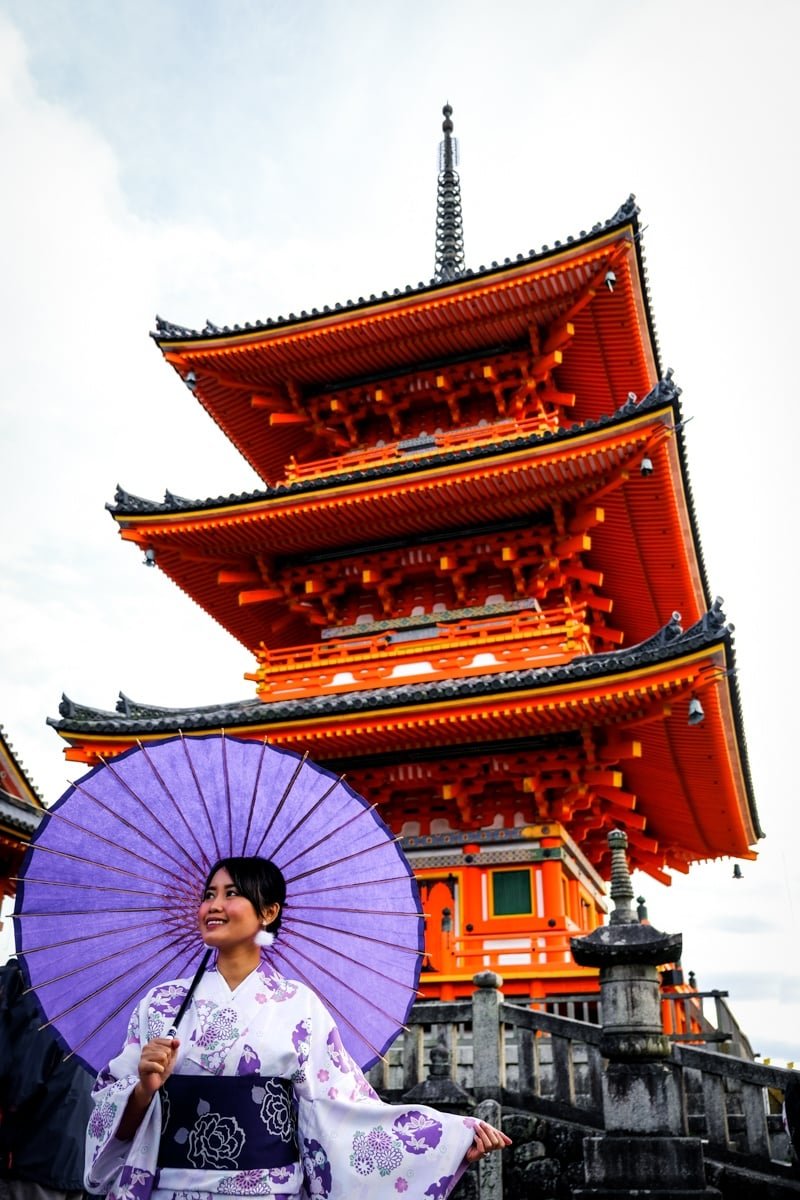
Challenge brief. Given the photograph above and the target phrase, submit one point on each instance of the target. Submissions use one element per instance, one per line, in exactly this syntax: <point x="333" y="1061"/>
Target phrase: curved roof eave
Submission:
<point x="127" y="504"/>
<point x="168" y="334"/>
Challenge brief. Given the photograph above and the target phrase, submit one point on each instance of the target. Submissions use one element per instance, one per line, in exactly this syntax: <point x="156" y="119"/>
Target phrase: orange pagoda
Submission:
<point x="472" y="581"/>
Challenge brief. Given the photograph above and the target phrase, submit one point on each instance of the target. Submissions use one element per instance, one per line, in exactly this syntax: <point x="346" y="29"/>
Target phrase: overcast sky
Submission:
<point x="242" y="159"/>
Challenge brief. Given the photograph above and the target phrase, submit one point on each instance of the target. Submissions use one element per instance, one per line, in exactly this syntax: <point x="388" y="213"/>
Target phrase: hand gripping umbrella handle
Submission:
<point x="187" y="999"/>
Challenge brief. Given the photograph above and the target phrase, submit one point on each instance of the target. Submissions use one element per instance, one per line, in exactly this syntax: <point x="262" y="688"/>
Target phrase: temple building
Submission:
<point x="472" y="581"/>
<point x="21" y="810"/>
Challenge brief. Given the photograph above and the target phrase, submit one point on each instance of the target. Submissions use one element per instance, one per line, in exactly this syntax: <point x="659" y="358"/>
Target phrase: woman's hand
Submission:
<point x="155" y="1067"/>
<point x="487" y="1139"/>
<point x="156" y="1063"/>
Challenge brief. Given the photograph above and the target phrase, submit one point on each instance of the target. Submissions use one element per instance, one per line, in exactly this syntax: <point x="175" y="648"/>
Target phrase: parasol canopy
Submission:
<point x="110" y="887"/>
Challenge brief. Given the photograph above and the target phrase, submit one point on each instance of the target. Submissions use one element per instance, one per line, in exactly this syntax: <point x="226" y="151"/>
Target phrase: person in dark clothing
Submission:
<point x="791" y="1110"/>
<point x="45" y="1102"/>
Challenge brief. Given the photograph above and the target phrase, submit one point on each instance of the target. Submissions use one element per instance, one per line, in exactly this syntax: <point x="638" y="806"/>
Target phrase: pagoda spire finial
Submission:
<point x="449" y="227"/>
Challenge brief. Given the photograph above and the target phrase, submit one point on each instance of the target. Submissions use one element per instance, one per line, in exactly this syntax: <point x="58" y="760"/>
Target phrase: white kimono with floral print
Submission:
<point x="351" y="1145"/>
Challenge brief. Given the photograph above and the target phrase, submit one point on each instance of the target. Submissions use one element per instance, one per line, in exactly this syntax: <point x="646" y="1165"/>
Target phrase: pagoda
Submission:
<point x="472" y="581"/>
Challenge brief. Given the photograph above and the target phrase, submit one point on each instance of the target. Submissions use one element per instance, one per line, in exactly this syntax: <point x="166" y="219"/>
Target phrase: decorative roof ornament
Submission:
<point x="621" y="886"/>
<point x="449" y="226"/>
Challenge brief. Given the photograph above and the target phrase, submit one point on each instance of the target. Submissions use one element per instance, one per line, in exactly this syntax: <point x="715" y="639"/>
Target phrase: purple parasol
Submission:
<point x="107" y="903"/>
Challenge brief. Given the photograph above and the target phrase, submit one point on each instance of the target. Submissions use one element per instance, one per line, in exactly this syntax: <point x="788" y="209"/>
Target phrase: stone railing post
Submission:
<point x="490" y="1168"/>
<point x="488" y="1062"/>
<point x="644" y="1150"/>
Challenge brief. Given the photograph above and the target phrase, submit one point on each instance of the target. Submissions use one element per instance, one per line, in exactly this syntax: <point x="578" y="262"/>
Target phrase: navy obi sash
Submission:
<point x="227" y="1123"/>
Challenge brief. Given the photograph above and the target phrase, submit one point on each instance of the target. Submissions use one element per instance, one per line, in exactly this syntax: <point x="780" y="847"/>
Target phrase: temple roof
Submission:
<point x="17" y="814"/>
<point x="193" y="541"/>
<point x="421" y="457"/>
<point x="260" y="382"/>
<point x="135" y="717"/>
<point x="21" y="807"/>
<point x="692" y="779"/>
<point x="169" y="331"/>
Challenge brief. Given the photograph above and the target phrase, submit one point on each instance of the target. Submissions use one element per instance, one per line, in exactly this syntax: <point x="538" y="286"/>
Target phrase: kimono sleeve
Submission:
<point x="352" y="1145"/>
<point x="106" y="1156"/>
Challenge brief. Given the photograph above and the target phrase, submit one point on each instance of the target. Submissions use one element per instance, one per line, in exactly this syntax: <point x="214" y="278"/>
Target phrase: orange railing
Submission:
<point x="453" y="439"/>
<point x="506" y="642"/>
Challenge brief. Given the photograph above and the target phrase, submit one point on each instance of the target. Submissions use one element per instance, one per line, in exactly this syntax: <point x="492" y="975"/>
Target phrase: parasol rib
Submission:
<point x="358" y="962"/>
<point x="86" y="966"/>
<point x="109" y="1016"/>
<point x="364" y="937"/>
<point x="150" y="812"/>
<point x="356" y="883"/>
<point x="301" y="763"/>
<point x="203" y="855"/>
<point x="223" y="745"/>
<point x="328" y="834"/>
<point x="86" y="937"/>
<point x="343" y="983"/>
<point x="90" y="862"/>
<point x="201" y="794"/>
<point x="373" y="912"/>
<point x="253" y="796"/>
<point x="291" y="832"/>
<point x="123" y="821"/>
<point x="360" y="853"/>
<point x="297" y="973"/>
<point x="87" y="887"/>
<point x="177" y="941"/>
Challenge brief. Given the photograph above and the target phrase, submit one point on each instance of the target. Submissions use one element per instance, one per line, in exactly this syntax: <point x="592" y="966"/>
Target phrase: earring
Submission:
<point x="264" y="938"/>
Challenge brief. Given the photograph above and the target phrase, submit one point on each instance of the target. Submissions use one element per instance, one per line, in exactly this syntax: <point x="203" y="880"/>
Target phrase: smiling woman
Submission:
<point x="242" y="904"/>
<point x="259" y="1093"/>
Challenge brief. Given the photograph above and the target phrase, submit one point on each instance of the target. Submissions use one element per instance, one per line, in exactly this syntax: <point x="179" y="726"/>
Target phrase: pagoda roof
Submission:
<point x="15" y="782"/>
<point x="18" y="815"/>
<point x="704" y="806"/>
<point x="21" y="807"/>
<point x="480" y="312"/>
<point x="516" y="478"/>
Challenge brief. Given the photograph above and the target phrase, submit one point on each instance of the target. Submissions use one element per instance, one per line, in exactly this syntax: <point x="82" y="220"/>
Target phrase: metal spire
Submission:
<point x="449" y="228"/>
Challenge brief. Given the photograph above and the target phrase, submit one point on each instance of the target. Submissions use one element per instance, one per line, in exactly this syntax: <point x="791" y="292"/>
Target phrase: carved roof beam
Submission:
<point x="597" y="282"/>
<point x="463" y="798"/>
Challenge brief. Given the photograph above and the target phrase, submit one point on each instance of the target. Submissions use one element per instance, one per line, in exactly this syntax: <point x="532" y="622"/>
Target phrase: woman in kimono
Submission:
<point x="258" y="1095"/>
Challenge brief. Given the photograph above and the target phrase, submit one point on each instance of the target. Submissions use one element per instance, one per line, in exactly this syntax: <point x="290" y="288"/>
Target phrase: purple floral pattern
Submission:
<point x="101" y="1121"/>
<point x="337" y="1053"/>
<point x="418" y="1132"/>
<point x="249" y="1063"/>
<point x="301" y="1040"/>
<point x="316" y="1168"/>
<point x="376" y="1151"/>
<point x="134" y="1184"/>
<point x="273" y="1025"/>
<point x="247" y="1183"/>
<point x="438" y="1190"/>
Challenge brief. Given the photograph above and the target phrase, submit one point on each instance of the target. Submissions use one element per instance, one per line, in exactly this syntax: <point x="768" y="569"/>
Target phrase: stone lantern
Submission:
<point x="645" y="1147"/>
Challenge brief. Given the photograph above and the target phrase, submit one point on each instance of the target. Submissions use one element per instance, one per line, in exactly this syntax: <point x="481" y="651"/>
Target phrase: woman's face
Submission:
<point x="227" y="919"/>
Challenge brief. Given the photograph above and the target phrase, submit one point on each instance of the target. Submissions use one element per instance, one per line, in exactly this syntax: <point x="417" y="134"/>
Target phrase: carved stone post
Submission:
<point x="487" y="1037"/>
<point x="490" y="1169"/>
<point x="644" y="1148"/>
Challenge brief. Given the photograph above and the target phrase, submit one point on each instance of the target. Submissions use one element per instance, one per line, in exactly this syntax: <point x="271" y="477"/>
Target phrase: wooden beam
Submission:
<point x="238" y="577"/>
<point x="259" y="595"/>
<point x="288" y="418"/>
<point x="559" y="336"/>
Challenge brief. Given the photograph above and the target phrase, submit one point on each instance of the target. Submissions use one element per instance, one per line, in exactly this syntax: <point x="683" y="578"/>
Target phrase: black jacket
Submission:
<point x="45" y="1102"/>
